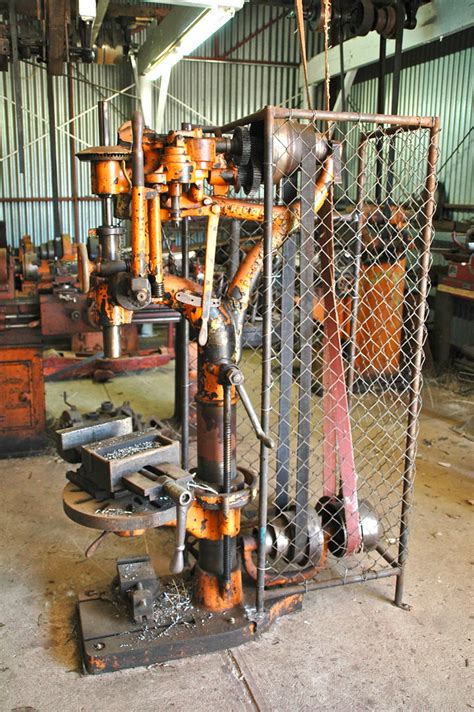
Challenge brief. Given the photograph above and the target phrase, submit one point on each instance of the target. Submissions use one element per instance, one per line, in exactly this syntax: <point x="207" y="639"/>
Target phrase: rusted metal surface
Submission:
<point x="61" y="368"/>
<point x="63" y="314"/>
<point x="22" y="407"/>
<point x="110" y="642"/>
<point x="114" y="515"/>
<point x="193" y="173"/>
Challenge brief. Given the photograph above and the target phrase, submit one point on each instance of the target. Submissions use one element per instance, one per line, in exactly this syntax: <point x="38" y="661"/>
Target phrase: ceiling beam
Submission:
<point x="140" y="10"/>
<point x="162" y="36"/>
<point x="436" y="20"/>
<point x="101" y="9"/>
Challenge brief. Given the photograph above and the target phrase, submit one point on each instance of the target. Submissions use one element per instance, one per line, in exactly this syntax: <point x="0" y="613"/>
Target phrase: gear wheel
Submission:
<point x="241" y="146"/>
<point x="105" y="153"/>
<point x="250" y="177"/>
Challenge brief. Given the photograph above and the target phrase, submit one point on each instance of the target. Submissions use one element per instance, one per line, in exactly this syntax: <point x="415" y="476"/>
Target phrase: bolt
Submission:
<point x="99" y="646"/>
<point x="233" y="375"/>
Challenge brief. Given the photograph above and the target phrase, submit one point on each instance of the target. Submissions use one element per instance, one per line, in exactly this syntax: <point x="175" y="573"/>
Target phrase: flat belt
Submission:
<point x="337" y="433"/>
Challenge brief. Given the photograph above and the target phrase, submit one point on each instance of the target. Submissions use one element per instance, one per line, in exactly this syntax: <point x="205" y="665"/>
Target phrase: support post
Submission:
<point x="416" y="379"/>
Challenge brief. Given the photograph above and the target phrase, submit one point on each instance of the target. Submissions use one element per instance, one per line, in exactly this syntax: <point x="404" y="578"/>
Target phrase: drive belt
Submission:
<point x="337" y="435"/>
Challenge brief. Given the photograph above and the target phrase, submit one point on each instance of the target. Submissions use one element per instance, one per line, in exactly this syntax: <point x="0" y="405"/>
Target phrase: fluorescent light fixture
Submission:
<point x="204" y="27"/>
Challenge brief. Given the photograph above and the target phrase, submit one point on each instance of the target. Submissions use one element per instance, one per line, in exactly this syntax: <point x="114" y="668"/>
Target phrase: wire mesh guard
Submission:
<point x="333" y="337"/>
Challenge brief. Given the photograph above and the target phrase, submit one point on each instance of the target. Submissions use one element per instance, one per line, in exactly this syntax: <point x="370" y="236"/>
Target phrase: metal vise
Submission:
<point x="139" y="470"/>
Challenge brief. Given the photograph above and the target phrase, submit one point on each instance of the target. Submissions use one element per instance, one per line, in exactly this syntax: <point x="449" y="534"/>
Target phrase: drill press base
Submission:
<point x="110" y="641"/>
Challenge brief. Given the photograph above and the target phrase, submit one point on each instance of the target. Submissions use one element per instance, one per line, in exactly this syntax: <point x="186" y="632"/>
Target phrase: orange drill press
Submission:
<point x="130" y="482"/>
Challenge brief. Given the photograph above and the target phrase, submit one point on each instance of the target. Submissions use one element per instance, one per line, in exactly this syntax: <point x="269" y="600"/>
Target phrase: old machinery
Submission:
<point x="303" y="458"/>
<point x="359" y="17"/>
<point x="41" y="305"/>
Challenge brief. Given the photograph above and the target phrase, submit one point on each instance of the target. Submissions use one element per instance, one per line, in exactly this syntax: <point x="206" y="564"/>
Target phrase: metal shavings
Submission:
<point x="203" y="486"/>
<point x="113" y="511"/>
<point x="123" y="452"/>
<point x="173" y="605"/>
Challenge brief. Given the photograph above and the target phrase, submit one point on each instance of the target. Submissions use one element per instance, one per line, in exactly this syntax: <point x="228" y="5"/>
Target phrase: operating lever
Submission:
<point x="211" y="242"/>
<point x="182" y="498"/>
<point x="170" y="480"/>
<point x="235" y="377"/>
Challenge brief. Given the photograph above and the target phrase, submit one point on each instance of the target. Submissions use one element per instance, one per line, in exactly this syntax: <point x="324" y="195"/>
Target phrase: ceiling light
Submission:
<point x="204" y="27"/>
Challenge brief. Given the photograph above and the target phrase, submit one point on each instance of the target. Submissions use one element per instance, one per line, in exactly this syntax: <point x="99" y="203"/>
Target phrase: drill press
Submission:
<point x="128" y="482"/>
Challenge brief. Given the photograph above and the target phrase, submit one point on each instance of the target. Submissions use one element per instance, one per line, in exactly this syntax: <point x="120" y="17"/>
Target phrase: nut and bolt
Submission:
<point x="232" y="375"/>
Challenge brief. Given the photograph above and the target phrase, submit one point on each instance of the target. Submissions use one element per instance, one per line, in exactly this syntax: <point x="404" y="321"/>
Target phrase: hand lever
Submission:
<point x="182" y="498"/>
<point x="84" y="267"/>
<point x="235" y="377"/>
<point x="211" y="242"/>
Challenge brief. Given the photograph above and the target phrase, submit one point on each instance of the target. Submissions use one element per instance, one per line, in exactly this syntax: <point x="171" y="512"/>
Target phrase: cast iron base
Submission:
<point x="110" y="641"/>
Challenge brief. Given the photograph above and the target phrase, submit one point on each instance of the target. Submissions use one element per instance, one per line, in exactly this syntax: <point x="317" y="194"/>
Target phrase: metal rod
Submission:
<point x="355" y="297"/>
<point x="184" y="353"/>
<point x="247" y="403"/>
<point x="287" y="355"/>
<point x="46" y="199"/>
<point x="380" y="110"/>
<point x="155" y="239"/>
<point x="413" y="122"/>
<point x="17" y="86"/>
<point x="227" y="443"/>
<point x="416" y="380"/>
<point x="247" y="62"/>
<point x="341" y="61"/>
<point x="397" y="67"/>
<point x="72" y="153"/>
<point x="306" y="327"/>
<point x="266" y="352"/>
<point x="138" y="232"/>
<point x="104" y="128"/>
<point x="111" y="335"/>
<point x="331" y="583"/>
<point x="386" y="556"/>
<point x="54" y="166"/>
<point x="104" y="140"/>
<point x="234" y="249"/>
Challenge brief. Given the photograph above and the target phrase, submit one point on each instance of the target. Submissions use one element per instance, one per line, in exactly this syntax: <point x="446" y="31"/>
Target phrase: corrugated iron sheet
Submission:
<point x="212" y="92"/>
<point x="219" y="92"/>
<point x="92" y="83"/>
<point x="441" y="87"/>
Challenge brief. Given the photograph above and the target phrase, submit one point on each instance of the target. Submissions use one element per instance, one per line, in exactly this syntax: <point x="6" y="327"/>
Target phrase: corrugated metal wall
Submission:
<point x="216" y="93"/>
<point x="212" y="93"/>
<point x="92" y="83"/>
<point x="436" y="86"/>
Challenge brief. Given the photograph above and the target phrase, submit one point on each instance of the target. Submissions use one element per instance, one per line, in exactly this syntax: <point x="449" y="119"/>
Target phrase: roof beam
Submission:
<point x="101" y="9"/>
<point x="436" y="20"/>
<point x="162" y="36"/>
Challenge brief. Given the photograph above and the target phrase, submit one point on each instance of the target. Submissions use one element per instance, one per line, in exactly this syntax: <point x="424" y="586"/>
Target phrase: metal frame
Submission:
<point x="268" y="116"/>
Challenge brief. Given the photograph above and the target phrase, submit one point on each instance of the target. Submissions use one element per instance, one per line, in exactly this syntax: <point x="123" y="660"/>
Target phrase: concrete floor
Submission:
<point x="349" y="649"/>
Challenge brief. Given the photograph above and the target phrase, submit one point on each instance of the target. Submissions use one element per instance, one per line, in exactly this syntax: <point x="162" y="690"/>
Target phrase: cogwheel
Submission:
<point x="105" y="153"/>
<point x="250" y="177"/>
<point x="241" y="146"/>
